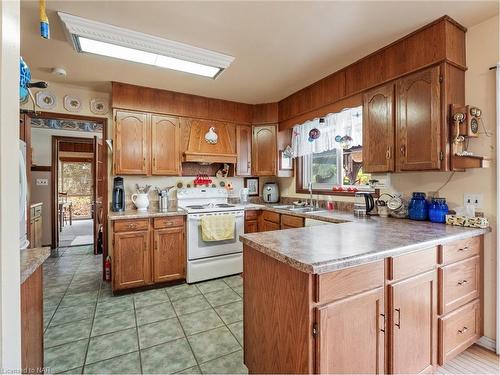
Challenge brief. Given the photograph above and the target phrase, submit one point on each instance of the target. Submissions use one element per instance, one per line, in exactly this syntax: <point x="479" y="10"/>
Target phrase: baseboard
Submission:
<point x="487" y="343"/>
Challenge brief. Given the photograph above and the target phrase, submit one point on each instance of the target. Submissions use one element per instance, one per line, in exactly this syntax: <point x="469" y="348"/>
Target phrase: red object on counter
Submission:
<point x="107" y="269"/>
<point x="329" y="205"/>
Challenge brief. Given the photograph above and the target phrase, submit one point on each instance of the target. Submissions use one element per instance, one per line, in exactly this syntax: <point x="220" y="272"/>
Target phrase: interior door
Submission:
<point x="413" y="324"/>
<point x="418" y="125"/>
<point x="351" y="335"/>
<point x="97" y="202"/>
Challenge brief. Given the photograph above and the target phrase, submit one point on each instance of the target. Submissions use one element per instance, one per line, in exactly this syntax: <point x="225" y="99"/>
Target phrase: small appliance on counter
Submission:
<point x="118" y="198"/>
<point x="164" y="204"/>
<point x="363" y="204"/>
<point x="271" y="192"/>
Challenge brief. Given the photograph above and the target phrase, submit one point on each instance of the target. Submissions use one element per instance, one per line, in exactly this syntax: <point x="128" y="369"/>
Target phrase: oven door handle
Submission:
<point x="197" y="218"/>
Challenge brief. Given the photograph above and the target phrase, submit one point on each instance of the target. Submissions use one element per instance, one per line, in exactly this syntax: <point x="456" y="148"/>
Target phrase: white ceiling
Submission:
<point x="279" y="47"/>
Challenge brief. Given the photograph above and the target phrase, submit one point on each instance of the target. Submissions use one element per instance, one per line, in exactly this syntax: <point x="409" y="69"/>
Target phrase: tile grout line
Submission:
<point x="137" y="334"/>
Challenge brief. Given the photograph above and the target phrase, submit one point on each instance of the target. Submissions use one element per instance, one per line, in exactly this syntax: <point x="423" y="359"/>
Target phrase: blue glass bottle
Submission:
<point x="418" y="207"/>
<point x="438" y="210"/>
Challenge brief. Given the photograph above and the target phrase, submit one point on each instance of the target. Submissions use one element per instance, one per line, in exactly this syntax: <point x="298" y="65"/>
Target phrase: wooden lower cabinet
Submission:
<point x="169" y="256"/>
<point x="373" y="318"/>
<point x="413" y="324"/>
<point x="132" y="260"/>
<point x="351" y="335"/>
<point x="32" y="323"/>
<point x="269" y="225"/>
<point x="148" y="251"/>
<point x="251" y="226"/>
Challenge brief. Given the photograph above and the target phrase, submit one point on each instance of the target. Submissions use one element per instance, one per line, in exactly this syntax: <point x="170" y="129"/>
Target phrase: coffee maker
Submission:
<point x="118" y="203"/>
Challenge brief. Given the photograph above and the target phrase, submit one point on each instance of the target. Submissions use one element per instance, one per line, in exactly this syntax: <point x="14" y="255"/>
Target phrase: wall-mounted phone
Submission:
<point x="465" y="122"/>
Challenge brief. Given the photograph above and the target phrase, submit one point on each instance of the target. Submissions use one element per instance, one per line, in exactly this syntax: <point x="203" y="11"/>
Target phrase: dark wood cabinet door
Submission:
<point x="269" y="225"/>
<point x="351" y="335"/>
<point x="131" y="259"/>
<point x="378" y="129"/>
<point x="418" y="121"/>
<point x="251" y="226"/>
<point x="264" y="150"/>
<point x="413" y="324"/>
<point x="244" y="150"/>
<point x="169" y="258"/>
<point x="131" y="143"/>
<point x="165" y="143"/>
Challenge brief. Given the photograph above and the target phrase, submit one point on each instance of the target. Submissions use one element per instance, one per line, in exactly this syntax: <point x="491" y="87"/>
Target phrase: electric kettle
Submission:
<point x="363" y="204"/>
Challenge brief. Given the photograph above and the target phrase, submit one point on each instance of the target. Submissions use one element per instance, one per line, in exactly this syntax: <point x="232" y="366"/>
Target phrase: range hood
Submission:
<point x="210" y="142"/>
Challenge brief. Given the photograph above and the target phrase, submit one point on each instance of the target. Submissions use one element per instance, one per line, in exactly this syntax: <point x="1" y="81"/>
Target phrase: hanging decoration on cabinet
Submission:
<point x="314" y="134"/>
<point x="44" y="21"/>
<point x="211" y="136"/>
<point x="24" y="80"/>
<point x="345" y="142"/>
<point x="288" y="152"/>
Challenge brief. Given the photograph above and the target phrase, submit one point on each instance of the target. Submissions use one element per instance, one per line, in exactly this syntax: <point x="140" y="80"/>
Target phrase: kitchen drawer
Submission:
<point x="251" y="215"/>
<point x="458" y="250"/>
<point x="340" y="284"/>
<point x="130" y="225"/>
<point x="292" y="221"/>
<point x="271" y="216"/>
<point x="459" y="330"/>
<point x="459" y="283"/>
<point x="403" y="266"/>
<point x="168" y="222"/>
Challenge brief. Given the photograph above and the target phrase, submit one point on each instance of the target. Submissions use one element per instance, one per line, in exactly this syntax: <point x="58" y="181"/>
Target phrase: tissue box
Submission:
<point x="467" y="221"/>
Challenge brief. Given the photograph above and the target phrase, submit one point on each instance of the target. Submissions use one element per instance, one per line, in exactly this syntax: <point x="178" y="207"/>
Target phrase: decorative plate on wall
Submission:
<point x="45" y="99"/>
<point x="99" y="106"/>
<point x="72" y="103"/>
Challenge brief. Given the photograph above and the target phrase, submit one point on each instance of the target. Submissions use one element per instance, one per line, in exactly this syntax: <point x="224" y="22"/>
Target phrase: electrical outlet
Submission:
<point x="475" y="199"/>
<point x="42" y="182"/>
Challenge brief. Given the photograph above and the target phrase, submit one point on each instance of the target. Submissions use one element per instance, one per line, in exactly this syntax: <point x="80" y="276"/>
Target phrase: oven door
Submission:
<point x="198" y="249"/>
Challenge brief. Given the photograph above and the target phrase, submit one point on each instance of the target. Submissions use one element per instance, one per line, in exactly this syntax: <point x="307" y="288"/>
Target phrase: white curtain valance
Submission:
<point x="335" y="125"/>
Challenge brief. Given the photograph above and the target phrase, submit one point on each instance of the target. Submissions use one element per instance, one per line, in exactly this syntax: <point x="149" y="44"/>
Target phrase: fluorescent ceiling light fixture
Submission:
<point x="111" y="41"/>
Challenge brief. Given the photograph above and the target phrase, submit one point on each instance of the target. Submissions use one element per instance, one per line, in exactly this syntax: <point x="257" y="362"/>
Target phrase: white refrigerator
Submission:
<point x="23" y="197"/>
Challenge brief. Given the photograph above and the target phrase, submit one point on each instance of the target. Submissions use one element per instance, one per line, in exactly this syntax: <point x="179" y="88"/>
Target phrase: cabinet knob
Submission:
<point x="383" y="323"/>
<point x="463" y="330"/>
<point x="388" y="153"/>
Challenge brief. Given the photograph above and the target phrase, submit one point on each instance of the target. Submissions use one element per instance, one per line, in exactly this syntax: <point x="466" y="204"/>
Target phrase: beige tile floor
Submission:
<point x="178" y="329"/>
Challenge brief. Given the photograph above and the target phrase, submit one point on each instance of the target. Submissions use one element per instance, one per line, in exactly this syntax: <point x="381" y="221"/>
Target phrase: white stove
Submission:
<point x="210" y="259"/>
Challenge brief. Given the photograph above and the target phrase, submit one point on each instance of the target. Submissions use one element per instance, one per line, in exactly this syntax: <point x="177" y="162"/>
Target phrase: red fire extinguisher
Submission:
<point x="107" y="269"/>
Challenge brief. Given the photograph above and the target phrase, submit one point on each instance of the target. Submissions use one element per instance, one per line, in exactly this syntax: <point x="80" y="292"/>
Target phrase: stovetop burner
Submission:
<point x="196" y="207"/>
<point x="224" y="205"/>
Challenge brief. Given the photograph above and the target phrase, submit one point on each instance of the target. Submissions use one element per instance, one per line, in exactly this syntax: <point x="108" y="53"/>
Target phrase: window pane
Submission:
<point x="77" y="178"/>
<point x="325" y="168"/>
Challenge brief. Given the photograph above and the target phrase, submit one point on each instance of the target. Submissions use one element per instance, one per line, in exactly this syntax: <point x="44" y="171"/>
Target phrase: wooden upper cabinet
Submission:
<point x="131" y="259"/>
<point x="169" y="258"/>
<point x="264" y="153"/>
<point x="414" y="319"/>
<point x="418" y="121"/>
<point x="351" y="335"/>
<point x="378" y="129"/>
<point x="165" y="149"/>
<point x="131" y="143"/>
<point x="244" y="150"/>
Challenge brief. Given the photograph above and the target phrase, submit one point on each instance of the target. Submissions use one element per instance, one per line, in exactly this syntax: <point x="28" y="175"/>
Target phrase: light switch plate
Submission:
<point x="42" y="182"/>
<point x="473" y="198"/>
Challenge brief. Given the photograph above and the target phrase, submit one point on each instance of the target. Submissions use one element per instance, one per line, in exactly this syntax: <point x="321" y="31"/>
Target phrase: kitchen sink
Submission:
<point x="292" y="208"/>
<point x="283" y="206"/>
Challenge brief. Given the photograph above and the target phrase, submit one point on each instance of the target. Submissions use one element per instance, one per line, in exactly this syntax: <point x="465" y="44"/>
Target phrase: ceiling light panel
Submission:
<point x="107" y="40"/>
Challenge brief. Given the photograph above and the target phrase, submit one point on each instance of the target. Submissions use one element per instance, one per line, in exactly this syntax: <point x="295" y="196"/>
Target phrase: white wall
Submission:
<point x="10" y="312"/>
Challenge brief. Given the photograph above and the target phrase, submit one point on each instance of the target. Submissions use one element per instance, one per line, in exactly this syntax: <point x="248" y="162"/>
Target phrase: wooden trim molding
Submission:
<point x="41" y="168"/>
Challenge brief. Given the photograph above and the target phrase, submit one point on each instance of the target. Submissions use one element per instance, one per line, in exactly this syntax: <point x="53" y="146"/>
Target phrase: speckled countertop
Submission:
<point x="134" y="214"/>
<point x="352" y="241"/>
<point x="31" y="259"/>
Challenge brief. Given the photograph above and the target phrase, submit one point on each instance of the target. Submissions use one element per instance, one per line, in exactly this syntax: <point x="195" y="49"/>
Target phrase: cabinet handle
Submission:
<point x="388" y="153"/>
<point x="402" y="149"/>
<point x="383" y="323"/>
<point x="154" y="162"/>
<point x="144" y="162"/>
<point x="398" y="324"/>
<point x="463" y="330"/>
<point x="132" y="225"/>
<point x="156" y="245"/>
<point x="462" y="282"/>
<point x="145" y="245"/>
<point x="464" y="248"/>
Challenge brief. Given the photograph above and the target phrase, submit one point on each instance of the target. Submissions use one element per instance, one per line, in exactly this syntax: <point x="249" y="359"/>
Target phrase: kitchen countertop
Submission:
<point x="31" y="259"/>
<point x="351" y="241"/>
<point x="134" y="214"/>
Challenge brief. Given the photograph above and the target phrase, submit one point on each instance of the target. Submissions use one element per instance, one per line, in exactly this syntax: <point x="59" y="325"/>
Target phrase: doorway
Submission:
<point x="69" y="154"/>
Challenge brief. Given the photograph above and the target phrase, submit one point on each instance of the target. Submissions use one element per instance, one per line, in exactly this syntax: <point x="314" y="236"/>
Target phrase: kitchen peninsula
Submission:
<point x="367" y="296"/>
